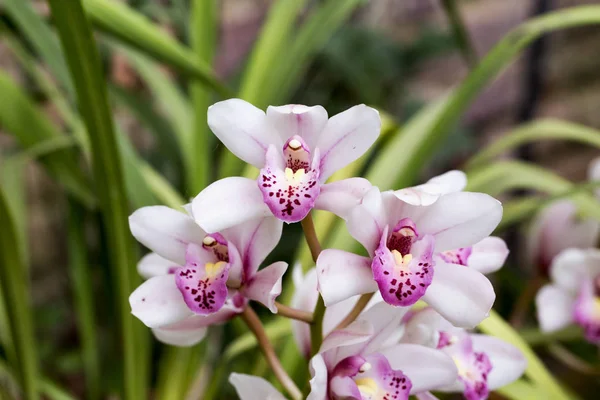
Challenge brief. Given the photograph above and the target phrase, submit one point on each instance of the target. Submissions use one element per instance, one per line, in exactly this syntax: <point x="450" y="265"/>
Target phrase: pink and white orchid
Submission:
<point x="297" y="148"/>
<point x="414" y="238"/>
<point x="354" y="363"/>
<point x="196" y="279"/>
<point x="484" y="362"/>
<point x="574" y="294"/>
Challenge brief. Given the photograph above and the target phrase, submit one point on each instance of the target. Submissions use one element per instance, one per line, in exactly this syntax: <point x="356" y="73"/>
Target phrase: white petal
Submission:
<point x="460" y="219"/>
<point x="341" y="197"/>
<point x="250" y="387"/>
<point x="594" y="170"/>
<point x="428" y="193"/>
<point x="158" y="302"/>
<point x="243" y="129"/>
<point x="346" y="137"/>
<point x="426" y="396"/>
<point x="340" y="344"/>
<point x="318" y="382"/>
<point x="296" y="119"/>
<point x="154" y="265"/>
<point x="488" y="255"/>
<point x="424" y="326"/>
<point x="265" y="286"/>
<point x="385" y="320"/>
<point x="305" y="298"/>
<point x="461" y="295"/>
<point x="426" y="368"/>
<point x="508" y="363"/>
<point x="254" y="240"/>
<point x="342" y="275"/>
<point x="555" y="308"/>
<point x="367" y="220"/>
<point x="165" y="231"/>
<point x="573" y="266"/>
<point x="228" y="202"/>
<point x="185" y="338"/>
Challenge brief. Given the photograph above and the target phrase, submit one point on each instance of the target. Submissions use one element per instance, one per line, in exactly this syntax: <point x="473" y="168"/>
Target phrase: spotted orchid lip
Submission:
<point x="587" y="310"/>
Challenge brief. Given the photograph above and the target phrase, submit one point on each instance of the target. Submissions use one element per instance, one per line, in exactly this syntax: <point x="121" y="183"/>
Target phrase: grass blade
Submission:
<point x="13" y="281"/>
<point x="459" y="31"/>
<point x="84" y="64"/>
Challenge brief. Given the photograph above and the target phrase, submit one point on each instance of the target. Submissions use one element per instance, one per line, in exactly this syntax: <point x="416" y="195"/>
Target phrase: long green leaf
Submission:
<point x="20" y="117"/>
<point x="459" y="31"/>
<point x="545" y="129"/>
<point x="132" y="28"/>
<point x="15" y="289"/>
<point x="84" y="64"/>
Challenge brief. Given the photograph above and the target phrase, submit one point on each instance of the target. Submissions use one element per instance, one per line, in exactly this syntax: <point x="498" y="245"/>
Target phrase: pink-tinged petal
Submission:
<point x="254" y="240"/>
<point x="341" y="197"/>
<point x="367" y="220"/>
<point x="380" y="382"/>
<point x="343" y="343"/>
<point x="228" y="202"/>
<point x="554" y="308"/>
<point x="203" y="285"/>
<point x="187" y="338"/>
<point x="289" y="195"/>
<point x="250" y="387"/>
<point x="461" y="295"/>
<point x="195" y="321"/>
<point x="154" y="265"/>
<point x="426" y="396"/>
<point x="425" y="327"/>
<point x="265" y="285"/>
<point x="342" y="275"/>
<point x="296" y="119"/>
<point x="384" y="320"/>
<point x="428" y="193"/>
<point x="402" y="281"/>
<point x="428" y="369"/>
<point x="488" y="255"/>
<point x="460" y="219"/>
<point x="305" y="298"/>
<point x="344" y="387"/>
<point x="573" y="266"/>
<point x="157" y="302"/>
<point x="346" y="137"/>
<point x="243" y="129"/>
<point x="165" y="231"/>
<point x="587" y="311"/>
<point x="318" y="382"/>
<point x="508" y="363"/>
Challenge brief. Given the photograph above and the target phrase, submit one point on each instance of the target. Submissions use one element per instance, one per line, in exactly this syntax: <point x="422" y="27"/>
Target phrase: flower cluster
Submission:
<point x="428" y="244"/>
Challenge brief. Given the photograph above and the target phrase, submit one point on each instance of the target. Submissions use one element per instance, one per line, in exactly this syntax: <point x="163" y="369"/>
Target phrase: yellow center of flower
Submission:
<point x="294" y="177"/>
<point x="213" y="269"/>
<point x="367" y="386"/>
<point x="402" y="261"/>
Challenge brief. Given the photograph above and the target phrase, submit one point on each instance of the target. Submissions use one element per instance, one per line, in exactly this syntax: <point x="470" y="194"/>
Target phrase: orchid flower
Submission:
<point x="484" y="362"/>
<point x="555" y="229"/>
<point x="574" y="294"/>
<point x="297" y="148"/>
<point x="408" y="235"/>
<point x="249" y="387"/>
<point x="353" y="363"/>
<point x="196" y="279"/>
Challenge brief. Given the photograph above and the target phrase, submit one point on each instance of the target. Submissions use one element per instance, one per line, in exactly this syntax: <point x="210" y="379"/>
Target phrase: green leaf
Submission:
<point x="536" y="371"/>
<point x="161" y="188"/>
<point x="15" y="291"/>
<point x="122" y="22"/>
<point x="20" y="117"/>
<point x="520" y="390"/>
<point x="545" y="129"/>
<point x="84" y="64"/>
<point x="459" y="31"/>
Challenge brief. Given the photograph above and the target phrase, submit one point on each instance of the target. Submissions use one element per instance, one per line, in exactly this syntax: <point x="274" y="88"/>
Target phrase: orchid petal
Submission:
<point x="265" y="285"/>
<point x="342" y="275"/>
<point x="158" y="302"/>
<point x="555" y="308"/>
<point x="573" y="266"/>
<point x="228" y="202"/>
<point x="344" y="387"/>
<point x="586" y="312"/>
<point x="461" y="295"/>
<point x="426" y="368"/>
<point x="296" y="119"/>
<point x="250" y="387"/>
<point x="346" y="137"/>
<point x="165" y="231"/>
<point x="344" y="343"/>
<point x="305" y="298"/>
<point x="154" y="265"/>
<point x="428" y="193"/>
<point x="318" y="382"/>
<point x="460" y="219"/>
<point x="243" y="129"/>
<point x="341" y="197"/>
<point x="382" y="381"/>
<point x="488" y="255"/>
<point x="508" y="363"/>
<point x="367" y="220"/>
<point x="187" y="338"/>
<point x="385" y="320"/>
<point x="426" y="396"/>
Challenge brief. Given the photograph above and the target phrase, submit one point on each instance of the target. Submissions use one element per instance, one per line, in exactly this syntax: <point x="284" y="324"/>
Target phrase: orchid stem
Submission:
<point x="294" y="313"/>
<point x="355" y="312"/>
<point x="253" y="322"/>
<point x="316" y="328"/>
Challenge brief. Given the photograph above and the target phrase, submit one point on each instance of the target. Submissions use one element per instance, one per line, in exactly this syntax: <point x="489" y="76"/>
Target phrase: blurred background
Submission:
<point x="391" y="54"/>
